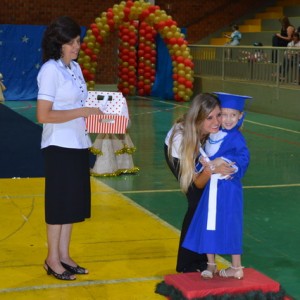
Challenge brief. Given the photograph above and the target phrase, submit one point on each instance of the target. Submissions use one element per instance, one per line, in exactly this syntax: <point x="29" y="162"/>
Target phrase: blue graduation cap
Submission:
<point x="232" y="101"/>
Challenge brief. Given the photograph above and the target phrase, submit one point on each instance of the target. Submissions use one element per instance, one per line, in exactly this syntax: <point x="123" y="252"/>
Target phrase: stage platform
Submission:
<point x="192" y="286"/>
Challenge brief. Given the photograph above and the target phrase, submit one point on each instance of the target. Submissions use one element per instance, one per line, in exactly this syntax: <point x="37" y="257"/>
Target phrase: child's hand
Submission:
<point x="225" y="168"/>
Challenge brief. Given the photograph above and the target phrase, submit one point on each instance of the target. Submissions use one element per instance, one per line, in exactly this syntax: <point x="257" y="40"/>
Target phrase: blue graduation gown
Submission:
<point x="226" y="237"/>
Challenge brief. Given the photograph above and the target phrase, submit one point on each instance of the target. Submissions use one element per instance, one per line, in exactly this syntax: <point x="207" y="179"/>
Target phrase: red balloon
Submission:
<point x="144" y="14"/>
<point x="83" y="46"/>
<point x="109" y="14"/>
<point x="125" y="91"/>
<point x="110" y="23"/>
<point x="88" y="52"/>
<point x="131" y="80"/>
<point x="129" y="3"/>
<point x="179" y="59"/>
<point x="94" y="57"/>
<point x="172" y="41"/>
<point x="147" y="89"/>
<point x="188" y="84"/>
<point x="141" y="92"/>
<point x="99" y="39"/>
<point x="126" y="11"/>
<point x="95" y="31"/>
<point x="140" y="84"/>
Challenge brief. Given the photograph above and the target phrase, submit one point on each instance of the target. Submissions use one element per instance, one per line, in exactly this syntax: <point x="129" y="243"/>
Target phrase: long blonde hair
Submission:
<point x="192" y="135"/>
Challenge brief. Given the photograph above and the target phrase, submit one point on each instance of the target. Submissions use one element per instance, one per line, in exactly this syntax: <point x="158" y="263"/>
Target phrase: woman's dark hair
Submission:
<point x="235" y="27"/>
<point x="285" y="22"/>
<point x="59" y="32"/>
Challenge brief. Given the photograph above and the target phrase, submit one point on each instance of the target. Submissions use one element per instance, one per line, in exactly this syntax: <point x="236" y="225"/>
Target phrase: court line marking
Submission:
<point x="153" y="191"/>
<point x="176" y="105"/>
<point x="272" y="126"/>
<point x="81" y="284"/>
<point x="246" y="120"/>
<point x="245" y="187"/>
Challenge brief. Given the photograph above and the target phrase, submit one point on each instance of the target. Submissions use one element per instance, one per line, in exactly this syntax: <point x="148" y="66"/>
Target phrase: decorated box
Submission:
<point x="114" y="106"/>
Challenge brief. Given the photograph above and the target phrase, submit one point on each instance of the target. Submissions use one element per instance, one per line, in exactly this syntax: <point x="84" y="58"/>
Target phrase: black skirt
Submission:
<point x="67" y="185"/>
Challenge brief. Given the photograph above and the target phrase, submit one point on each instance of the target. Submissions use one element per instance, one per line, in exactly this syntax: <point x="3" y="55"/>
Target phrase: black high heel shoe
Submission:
<point x="74" y="270"/>
<point x="66" y="275"/>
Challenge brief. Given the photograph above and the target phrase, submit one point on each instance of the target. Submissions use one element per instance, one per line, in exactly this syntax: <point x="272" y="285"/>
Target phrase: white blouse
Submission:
<point x="66" y="88"/>
<point x="177" y="140"/>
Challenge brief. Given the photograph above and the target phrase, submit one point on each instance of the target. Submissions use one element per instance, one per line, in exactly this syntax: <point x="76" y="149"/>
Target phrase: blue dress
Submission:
<point x="217" y="225"/>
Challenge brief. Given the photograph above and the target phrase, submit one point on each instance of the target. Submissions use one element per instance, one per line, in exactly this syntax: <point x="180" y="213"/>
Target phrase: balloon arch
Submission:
<point x="138" y="23"/>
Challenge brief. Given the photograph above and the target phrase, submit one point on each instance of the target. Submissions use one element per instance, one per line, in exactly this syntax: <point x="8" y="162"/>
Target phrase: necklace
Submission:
<point x="66" y="66"/>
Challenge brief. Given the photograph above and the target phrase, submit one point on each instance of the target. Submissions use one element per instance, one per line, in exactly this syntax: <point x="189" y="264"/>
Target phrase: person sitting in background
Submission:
<point x="290" y="56"/>
<point x="235" y="36"/>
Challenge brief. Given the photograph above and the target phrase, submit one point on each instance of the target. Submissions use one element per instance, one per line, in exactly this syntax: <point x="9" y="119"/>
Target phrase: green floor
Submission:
<point x="271" y="185"/>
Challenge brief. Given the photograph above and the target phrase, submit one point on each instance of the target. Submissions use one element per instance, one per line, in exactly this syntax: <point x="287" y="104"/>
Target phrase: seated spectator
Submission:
<point x="291" y="57"/>
<point x="235" y="36"/>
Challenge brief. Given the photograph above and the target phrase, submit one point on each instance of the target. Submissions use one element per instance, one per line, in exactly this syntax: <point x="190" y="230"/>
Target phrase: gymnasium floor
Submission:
<point x="131" y="241"/>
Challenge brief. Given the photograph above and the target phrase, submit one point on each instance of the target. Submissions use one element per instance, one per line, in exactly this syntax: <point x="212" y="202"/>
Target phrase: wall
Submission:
<point x="200" y="17"/>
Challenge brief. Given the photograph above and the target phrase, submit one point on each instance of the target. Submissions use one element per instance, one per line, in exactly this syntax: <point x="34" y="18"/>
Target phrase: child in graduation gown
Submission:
<point x="217" y="225"/>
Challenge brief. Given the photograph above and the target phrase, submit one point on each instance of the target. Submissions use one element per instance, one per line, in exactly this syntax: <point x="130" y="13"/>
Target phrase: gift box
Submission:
<point x="114" y="106"/>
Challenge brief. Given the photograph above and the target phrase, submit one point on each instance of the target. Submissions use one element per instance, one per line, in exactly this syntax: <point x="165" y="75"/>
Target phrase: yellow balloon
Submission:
<point x="169" y="34"/>
<point x="103" y="33"/>
<point x="178" y="53"/>
<point x="116" y="19"/>
<point x="96" y="50"/>
<point x="106" y="28"/>
<point x="181" y="94"/>
<point x="90" y="45"/>
<point x="181" y="73"/>
<point x="186" y="97"/>
<point x="86" y="59"/>
<point x="137" y="4"/>
<point x="87" y="65"/>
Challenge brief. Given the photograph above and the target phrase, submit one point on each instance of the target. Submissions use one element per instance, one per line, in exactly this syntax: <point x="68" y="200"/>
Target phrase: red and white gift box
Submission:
<point x="114" y="105"/>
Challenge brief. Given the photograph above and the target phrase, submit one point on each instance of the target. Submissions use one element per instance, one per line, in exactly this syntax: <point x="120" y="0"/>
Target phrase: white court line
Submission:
<point x="80" y="284"/>
<point x="176" y="104"/>
<point x="245" y="187"/>
<point x="271" y="126"/>
<point x="153" y="191"/>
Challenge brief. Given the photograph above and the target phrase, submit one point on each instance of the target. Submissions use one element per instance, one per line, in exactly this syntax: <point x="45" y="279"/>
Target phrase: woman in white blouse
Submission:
<point x="65" y="142"/>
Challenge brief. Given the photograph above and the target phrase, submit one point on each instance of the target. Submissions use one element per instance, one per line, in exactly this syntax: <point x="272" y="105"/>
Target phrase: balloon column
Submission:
<point x="138" y="22"/>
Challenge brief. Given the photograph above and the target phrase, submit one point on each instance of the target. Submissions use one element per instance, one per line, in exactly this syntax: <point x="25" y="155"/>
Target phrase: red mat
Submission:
<point x="191" y="285"/>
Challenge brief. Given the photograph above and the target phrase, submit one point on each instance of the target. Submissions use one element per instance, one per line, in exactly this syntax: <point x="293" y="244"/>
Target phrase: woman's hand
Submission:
<point x="87" y="111"/>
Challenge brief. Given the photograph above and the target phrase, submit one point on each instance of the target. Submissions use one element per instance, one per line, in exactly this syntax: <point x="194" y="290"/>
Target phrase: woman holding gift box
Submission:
<point x="65" y="143"/>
